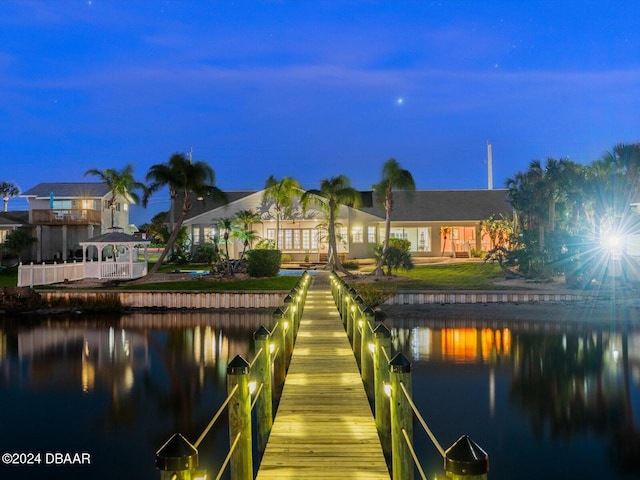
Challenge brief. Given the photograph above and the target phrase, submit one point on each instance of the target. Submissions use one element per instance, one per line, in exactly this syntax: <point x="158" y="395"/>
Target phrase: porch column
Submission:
<point x="65" y="248"/>
<point x="39" y="246"/>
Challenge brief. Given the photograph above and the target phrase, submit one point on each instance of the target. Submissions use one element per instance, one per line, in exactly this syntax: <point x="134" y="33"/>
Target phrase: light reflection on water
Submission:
<point x="117" y="389"/>
<point x="545" y="400"/>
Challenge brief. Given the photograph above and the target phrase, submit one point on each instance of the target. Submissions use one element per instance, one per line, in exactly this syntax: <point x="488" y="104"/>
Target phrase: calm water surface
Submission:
<point x="544" y="400"/>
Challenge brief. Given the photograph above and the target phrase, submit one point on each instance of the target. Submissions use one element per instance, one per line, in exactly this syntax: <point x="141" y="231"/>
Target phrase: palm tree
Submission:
<point x="8" y="190"/>
<point x="244" y="231"/>
<point x="184" y="177"/>
<point x="394" y="177"/>
<point x="225" y="226"/>
<point x="282" y="193"/>
<point x="333" y="192"/>
<point x="120" y="183"/>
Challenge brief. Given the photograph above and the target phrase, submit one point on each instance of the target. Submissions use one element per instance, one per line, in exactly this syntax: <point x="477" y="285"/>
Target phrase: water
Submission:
<point x="545" y="400"/>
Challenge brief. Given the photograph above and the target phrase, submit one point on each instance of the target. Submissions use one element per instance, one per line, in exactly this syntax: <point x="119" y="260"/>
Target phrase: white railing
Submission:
<point x="46" y="274"/>
<point x="122" y="270"/>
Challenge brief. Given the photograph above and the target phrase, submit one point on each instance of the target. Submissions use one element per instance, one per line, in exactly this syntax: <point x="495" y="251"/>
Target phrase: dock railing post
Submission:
<point x="382" y="341"/>
<point x="358" y="328"/>
<point x="466" y="460"/>
<point x="367" y="349"/>
<point x="241" y="464"/>
<point x="177" y="459"/>
<point x="264" y="403"/>
<point x="289" y="327"/>
<point x="280" y="362"/>
<point x="401" y="418"/>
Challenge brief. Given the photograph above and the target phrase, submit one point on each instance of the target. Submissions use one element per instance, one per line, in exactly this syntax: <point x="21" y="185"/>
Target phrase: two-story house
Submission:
<point x="65" y="214"/>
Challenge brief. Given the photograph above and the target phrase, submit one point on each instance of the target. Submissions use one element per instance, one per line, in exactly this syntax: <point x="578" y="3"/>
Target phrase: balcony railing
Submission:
<point x="72" y="216"/>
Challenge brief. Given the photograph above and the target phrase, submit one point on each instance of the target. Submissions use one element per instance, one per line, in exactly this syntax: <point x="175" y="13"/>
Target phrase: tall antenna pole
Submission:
<point x="489" y="167"/>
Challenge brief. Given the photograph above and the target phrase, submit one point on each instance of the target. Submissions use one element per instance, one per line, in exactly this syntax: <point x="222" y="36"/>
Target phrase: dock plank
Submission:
<point x="324" y="427"/>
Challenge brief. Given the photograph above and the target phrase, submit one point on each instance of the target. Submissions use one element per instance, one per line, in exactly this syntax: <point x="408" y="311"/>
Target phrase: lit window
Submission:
<point x="356" y="235"/>
<point x="371" y="234"/>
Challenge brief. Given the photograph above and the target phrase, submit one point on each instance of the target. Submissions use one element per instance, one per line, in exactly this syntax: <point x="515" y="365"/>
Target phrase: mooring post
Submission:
<point x="382" y="342"/>
<point x="358" y="329"/>
<point x="264" y="403"/>
<point x="241" y="464"/>
<point x="367" y="351"/>
<point x="401" y="418"/>
<point x="177" y="459"/>
<point x="466" y="460"/>
<point x="279" y="362"/>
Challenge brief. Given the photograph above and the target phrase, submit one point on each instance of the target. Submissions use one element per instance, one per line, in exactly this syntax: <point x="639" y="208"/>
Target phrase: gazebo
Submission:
<point x="114" y="255"/>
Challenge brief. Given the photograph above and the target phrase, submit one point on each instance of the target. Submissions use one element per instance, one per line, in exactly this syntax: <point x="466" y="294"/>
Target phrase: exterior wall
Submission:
<point x="61" y="241"/>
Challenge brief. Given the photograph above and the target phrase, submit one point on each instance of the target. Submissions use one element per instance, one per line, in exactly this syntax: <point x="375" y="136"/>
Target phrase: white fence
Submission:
<point x="115" y="270"/>
<point x="46" y="274"/>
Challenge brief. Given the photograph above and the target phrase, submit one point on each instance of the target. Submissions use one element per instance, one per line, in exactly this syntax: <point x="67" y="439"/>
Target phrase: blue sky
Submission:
<point x="312" y="89"/>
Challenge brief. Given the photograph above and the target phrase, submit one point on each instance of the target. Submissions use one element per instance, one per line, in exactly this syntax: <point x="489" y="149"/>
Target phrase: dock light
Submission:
<point x="252" y="387"/>
<point x="372" y="347"/>
<point x="353" y="308"/>
<point x="360" y="323"/>
<point x="198" y="475"/>
<point x="293" y="308"/>
<point x="387" y="389"/>
<point x="286" y="325"/>
<point x="272" y="348"/>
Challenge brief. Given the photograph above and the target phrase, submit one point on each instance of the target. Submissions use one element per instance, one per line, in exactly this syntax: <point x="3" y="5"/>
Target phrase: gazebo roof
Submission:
<point x="115" y="238"/>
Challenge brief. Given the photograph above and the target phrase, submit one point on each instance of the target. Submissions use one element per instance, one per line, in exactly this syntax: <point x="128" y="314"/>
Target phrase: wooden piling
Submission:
<point x="401" y="418"/>
<point x="241" y="464"/>
<point x="264" y="403"/>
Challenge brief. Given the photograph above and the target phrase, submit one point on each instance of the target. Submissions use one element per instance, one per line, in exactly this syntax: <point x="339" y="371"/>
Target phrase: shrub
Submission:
<point x="286" y="258"/>
<point x="205" y="253"/>
<point x="264" y="263"/>
<point x="351" y="265"/>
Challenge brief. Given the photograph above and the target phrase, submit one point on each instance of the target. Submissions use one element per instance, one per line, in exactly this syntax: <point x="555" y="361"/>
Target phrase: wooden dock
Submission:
<point x="324" y="427"/>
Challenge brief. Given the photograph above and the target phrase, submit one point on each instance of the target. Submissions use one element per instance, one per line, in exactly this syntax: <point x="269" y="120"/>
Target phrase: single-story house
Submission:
<point x="436" y="223"/>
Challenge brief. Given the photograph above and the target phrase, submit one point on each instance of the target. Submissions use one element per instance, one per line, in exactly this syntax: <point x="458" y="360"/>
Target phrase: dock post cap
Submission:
<point x="288" y="299"/>
<point x="237" y="366"/>
<point x="177" y="454"/>
<point x="278" y="312"/>
<point x="381" y="331"/>
<point x="369" y="312"/>
<point x="262" y="333"/>
<point x="466" y="457"/>
<point x="399" y="364"/>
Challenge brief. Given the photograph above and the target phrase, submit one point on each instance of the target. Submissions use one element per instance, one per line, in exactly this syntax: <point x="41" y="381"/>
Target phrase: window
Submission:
<point x="209" y="234"/>
<point x="356" y="235"/>
<point x="371" y="234"/>
<point x="196" y="236"/>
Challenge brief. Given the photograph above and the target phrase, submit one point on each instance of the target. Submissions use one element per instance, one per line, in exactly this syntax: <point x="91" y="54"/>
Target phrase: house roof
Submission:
<point x="14" y="219"/>
<point x="424" y="205"/>
<point x="68" y="190"/>
<point x="115" y="237"/>
<point x="198" y="207"/>
<point x="444" y="205"/>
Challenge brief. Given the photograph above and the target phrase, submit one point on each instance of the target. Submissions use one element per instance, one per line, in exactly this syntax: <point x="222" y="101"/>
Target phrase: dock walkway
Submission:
<point x="324" y="427"/>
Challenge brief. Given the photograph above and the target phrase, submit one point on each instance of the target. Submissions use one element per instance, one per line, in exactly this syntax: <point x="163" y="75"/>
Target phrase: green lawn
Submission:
<point x="285" y="282"/>
<point x="9" y="277"/>
<point x="455" y="276"/>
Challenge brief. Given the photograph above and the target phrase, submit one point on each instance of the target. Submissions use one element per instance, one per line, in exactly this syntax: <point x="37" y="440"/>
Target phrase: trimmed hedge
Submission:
<point x="264" y="263"/>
